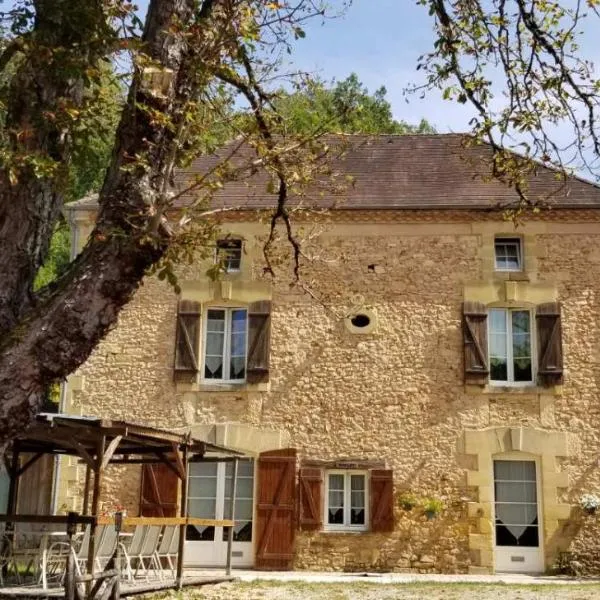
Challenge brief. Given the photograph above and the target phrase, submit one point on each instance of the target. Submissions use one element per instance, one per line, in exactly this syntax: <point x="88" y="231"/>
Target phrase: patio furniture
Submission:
<point x="146" y="558"/>
<point x="133" y="549"/>
<point x="168" y="544"/>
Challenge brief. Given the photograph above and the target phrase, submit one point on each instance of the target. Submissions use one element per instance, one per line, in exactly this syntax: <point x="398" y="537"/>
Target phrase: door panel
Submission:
<point x="276" y="510"/>
<point x="210" y="487"/>
<point x="518" y="545"/>
<point x="159" y="491"/>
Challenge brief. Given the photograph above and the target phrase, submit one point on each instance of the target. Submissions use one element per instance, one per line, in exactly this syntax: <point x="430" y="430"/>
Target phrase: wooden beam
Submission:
<point x="86" y="489"/>
<point x="133" y="521"/>
<point x="110" y="451"/>
<point x="98" y="471"/>
<point x="13" y="488"/>
<point x="50" y="519"/>
<point x="30" y="462"/>
<point x="178" y="461"/>
<point x="183" y="511"/>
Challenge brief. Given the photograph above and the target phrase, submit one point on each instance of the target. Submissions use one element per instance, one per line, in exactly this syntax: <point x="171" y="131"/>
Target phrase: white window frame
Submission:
<point x="226" y="347"/>
<point x="224" y="263"/>
<point x="509" y="240"/>
<point x="510" y="382"/>
<point x="346" y="525"/>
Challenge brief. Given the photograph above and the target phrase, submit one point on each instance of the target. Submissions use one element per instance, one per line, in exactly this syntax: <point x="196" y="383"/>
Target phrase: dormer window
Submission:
<point x="229" y="254"/>
<point x="508" y="254"/>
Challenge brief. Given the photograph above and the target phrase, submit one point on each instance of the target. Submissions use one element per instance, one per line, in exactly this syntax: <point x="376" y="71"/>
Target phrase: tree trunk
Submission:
<point x="57" y="333"/>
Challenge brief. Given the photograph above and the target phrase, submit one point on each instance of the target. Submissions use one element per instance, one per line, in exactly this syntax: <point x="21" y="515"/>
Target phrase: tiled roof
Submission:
<point x="408" y="171"/>
<point x="400" y="172"/>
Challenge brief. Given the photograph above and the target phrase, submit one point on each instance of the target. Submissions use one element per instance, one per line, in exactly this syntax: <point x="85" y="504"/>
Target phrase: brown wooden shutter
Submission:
<point x="187" y="342"/>
<point x="259" y="341"/>
<point x="475" y="342"/>
<point x="310" y="499"/>
<point x="275" y="510"/>
<point x="158" y="496"/>
<point x="549" y="335"/>
<point x="382" y="500"/>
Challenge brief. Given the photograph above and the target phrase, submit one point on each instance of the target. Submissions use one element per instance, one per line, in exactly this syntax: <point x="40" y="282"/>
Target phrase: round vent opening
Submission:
<point x="360" y="321"/>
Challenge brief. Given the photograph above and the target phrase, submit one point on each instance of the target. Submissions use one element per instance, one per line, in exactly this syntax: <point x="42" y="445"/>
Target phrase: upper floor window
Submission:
<point x="508" y="254"/>
<point x="346" y="500"/>
<point x="229" y="254"/>
<point x="510" y="346"/>
<point x="225" y="345"/>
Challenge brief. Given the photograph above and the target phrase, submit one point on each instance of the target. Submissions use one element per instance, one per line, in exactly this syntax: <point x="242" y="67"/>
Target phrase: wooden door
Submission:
<point x="276" y="510"/>
<point x="159" y="491"/>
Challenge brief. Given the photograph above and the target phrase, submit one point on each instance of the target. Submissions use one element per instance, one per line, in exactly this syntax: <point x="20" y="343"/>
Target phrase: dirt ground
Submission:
<point x="267" y="590"/>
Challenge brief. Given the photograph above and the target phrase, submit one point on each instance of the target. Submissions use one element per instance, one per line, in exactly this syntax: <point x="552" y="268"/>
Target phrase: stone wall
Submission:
<point x="394" y="395"/>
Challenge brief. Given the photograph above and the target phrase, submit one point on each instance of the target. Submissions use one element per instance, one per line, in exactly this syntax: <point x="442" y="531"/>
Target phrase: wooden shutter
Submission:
<point x="382" y="500"/>
<point x="259" y="341"/>
<point x="310" y="499"/>
<point x="549" y="335"/>
<point x="159" y="491"/>
<point x="475" y="342"/>
<point x="275" y="510"/>
<point x="187" y="341"/>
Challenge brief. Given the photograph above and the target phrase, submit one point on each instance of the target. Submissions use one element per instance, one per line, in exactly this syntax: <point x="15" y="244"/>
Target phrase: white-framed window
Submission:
<point x="225" y="344"/>
<point x="511" y="347"/>
<point x="229" y="254"/>
<point x="508" y="254"/>
<point x="346" y="500"/>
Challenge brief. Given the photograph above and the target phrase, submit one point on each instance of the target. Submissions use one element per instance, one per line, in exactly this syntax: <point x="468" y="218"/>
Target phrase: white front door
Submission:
<point x="518" y="536"/>
<point x="210" y="485"/>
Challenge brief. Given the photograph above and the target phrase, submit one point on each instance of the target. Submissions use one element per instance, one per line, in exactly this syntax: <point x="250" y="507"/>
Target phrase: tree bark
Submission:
<point x="57" y="333"/>
<point x="48" y="80"/>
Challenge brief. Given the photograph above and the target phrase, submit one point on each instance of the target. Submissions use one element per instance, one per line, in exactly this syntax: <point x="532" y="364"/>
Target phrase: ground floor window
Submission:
<point x="346" y="500"/>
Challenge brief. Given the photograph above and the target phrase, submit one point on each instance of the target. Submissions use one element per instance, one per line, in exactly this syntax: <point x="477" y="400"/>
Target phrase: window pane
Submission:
<point x="522" y="491"/>
<point x="336" y="499"/>
<point x="498" y="345"/>
<point x="238" y="344"/>
<point x="238" y="368"/>
<point x="214" y="344"/>
<point x="215" y="320"/>
<point x="213" y="367"/>
<point x="497" y="317"/>
<point x="357" y="516"/>
<point x="498" y="369"/>
<point x="520" y="321"/>
<point x="336" y="482"/>
<point x="335" y="516"/>
<point x="238" y="321"/>
<point x="357" y="482"/>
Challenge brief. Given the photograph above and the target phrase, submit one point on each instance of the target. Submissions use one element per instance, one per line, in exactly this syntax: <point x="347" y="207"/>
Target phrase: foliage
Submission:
<point x="521" y="66"/>
<point x="58" y="258"/>
<point x="342" y="107"/>
<point x="433" y="506"/>
<point x="408" y="500"/>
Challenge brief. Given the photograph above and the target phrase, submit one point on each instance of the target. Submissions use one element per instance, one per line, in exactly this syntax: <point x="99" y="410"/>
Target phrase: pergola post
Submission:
<point x="183" y="511"/>
<point x="231" y="516"/>
<point x="86" y="489"/>
<point x="95" y="501"/>
<point x="13" y="487"/>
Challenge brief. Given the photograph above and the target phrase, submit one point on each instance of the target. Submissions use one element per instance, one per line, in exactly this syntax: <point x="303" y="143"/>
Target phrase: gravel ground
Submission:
<point x="269" y="590"/>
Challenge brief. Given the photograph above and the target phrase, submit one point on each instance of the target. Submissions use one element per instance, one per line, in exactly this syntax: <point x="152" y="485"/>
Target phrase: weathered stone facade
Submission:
<point x="395" y="394"/>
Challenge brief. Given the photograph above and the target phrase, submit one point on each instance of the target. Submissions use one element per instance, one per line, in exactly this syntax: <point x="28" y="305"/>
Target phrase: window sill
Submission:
<point x="345" y="531"/>
<point x="224" y="387"/>
<point x="529" y="390"/>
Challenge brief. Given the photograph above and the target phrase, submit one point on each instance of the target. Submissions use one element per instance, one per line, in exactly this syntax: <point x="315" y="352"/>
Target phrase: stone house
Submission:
<point x="434" y="356"/>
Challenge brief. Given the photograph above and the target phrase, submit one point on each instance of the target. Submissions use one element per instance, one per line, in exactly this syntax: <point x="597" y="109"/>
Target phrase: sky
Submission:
<point x="380" y="41"/>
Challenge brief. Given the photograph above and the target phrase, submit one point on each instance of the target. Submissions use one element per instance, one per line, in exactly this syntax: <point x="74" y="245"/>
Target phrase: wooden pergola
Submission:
<point x="100" y="442"/>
